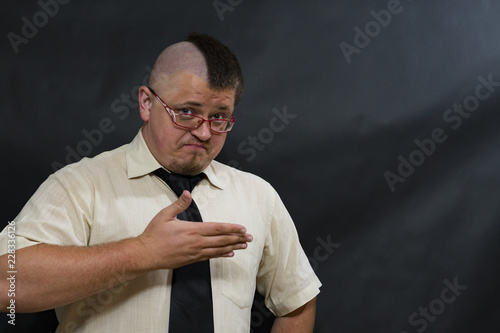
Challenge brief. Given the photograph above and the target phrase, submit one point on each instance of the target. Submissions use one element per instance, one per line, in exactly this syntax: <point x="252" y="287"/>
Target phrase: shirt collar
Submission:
<point x="211" y="172"/>
<point x="141" y="162"/>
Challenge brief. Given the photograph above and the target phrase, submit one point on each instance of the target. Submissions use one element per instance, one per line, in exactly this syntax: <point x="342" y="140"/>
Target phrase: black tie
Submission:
<point x="191" y="308"/>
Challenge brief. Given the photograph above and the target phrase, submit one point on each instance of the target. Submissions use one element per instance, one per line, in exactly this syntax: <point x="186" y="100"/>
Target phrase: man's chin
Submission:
<point x="187" y="168"/>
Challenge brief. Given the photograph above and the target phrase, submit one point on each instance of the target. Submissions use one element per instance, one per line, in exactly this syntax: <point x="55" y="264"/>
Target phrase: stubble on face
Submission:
<point x="189" y="165"/>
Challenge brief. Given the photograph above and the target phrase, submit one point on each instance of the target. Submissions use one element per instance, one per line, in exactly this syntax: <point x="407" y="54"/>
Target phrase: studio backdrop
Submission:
<point x="376" y="121"/>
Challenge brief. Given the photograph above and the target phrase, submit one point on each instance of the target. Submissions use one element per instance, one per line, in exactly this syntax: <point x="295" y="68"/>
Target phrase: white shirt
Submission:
<point x="114" y="196"/>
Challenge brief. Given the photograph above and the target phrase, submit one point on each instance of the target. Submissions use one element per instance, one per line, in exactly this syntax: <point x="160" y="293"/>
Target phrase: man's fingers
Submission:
<point x="217" y="228"/>
<point x="222" y="246"/>
<point x="224" y="251"/>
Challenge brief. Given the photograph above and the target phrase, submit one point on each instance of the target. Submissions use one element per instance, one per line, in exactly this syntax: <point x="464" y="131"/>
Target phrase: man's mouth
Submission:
<point x="197" y="146"/>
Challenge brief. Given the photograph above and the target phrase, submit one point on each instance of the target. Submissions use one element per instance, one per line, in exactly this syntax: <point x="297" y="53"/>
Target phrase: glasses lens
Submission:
<point x="187" y="120"/>
<point x="221" y="125"/>
<point x="192" y="122"/>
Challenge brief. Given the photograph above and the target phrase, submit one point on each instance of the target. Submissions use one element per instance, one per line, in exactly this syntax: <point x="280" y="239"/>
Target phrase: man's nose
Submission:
<point x="203" y="132"/>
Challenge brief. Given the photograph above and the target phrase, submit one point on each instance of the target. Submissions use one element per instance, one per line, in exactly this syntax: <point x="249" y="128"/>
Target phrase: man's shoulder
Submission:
<point x="237" y="176"/>
<point x="107" y="161"/>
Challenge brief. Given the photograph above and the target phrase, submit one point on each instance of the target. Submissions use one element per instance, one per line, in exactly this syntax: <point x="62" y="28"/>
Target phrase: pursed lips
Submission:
<point x="197" y="146"/>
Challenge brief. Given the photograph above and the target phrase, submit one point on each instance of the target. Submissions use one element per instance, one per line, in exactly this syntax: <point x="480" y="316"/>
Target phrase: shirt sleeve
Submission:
<point x="285" y="278"/>
<point x="58" y="213"/>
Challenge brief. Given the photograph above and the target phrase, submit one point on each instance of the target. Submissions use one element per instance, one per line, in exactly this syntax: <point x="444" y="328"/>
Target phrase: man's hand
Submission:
<point x="50" y="275"/>
<point x="171" y="243"/>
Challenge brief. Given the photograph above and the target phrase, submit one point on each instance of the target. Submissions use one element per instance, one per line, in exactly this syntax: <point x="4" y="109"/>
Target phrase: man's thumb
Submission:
<point x="179" y="205"/>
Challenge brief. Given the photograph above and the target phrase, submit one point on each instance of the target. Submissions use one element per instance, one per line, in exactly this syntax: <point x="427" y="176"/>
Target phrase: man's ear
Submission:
<point x="145" y="102"/>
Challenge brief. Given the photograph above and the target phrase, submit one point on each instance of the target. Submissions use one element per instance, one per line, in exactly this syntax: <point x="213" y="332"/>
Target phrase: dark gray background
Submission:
<point x="389" y="251"/>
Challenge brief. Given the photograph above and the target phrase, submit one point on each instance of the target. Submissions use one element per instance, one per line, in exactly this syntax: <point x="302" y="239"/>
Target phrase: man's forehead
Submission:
<point x="187" y="85"/>
<point x="178" y="78"/>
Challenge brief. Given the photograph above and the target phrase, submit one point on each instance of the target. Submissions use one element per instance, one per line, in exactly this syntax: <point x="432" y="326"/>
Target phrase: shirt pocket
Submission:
<point x="240" y="274"/>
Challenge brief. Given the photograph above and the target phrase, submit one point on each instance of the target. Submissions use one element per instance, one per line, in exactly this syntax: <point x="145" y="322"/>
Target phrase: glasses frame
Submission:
<point x="173" y="113"/>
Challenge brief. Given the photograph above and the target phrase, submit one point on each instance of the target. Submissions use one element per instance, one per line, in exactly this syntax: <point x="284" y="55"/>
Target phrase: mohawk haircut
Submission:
<point x="222" y="65"/>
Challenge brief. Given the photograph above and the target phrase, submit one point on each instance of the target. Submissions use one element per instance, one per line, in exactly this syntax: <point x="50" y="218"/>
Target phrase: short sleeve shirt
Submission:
<point x="114" y="196"/>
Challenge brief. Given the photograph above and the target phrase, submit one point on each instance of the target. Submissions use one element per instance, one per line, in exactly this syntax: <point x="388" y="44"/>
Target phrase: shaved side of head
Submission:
<point x="183" y="56"/>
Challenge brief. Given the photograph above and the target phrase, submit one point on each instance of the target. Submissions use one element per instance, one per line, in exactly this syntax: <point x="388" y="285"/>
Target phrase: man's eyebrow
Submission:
<point x="224" y="108"/>
<point x="192" y="103"/>
<point x="195" y="103"/>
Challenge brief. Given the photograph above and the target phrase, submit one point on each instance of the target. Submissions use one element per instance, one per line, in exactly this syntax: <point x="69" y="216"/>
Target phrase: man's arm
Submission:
<point x="50" y="276"/>
<point x="299" y="321"/>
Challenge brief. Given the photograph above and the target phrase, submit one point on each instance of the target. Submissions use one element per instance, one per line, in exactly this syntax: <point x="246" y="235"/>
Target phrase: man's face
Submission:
<point x="179" y="150"/>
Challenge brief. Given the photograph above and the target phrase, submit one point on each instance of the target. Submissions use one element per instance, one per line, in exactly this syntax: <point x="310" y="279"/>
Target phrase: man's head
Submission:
<point x="207" y="58"/>
<point x="199" y="76"/>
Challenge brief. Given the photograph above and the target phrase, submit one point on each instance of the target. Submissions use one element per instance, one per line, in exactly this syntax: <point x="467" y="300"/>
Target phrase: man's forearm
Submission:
<point x="299" y="321"/>
<point x="50" y="276"/>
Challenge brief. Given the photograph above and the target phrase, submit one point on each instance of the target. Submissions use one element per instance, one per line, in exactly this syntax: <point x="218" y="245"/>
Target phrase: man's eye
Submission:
<point x="185" y="111"/>
<point x="219" y="116"/>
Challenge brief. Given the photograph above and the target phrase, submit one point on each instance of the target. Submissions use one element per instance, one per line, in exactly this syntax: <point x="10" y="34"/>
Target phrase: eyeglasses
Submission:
<point x="191" y="121"/>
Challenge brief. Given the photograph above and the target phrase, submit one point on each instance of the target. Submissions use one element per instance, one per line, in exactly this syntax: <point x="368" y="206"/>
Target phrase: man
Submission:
<point x="100" y="242"/>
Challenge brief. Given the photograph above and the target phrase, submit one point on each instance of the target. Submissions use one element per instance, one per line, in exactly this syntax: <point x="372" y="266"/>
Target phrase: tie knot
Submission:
<point x="178" y="183"/>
